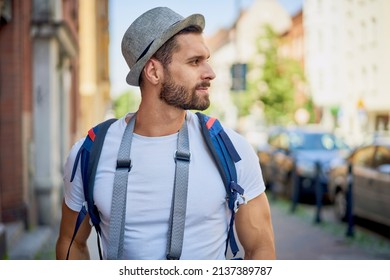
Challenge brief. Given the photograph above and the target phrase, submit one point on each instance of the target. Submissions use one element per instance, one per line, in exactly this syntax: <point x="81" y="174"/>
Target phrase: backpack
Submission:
<point x="218" y="142"/>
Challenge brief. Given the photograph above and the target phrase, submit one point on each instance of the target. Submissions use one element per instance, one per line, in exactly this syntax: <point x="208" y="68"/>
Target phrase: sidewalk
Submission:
<point x="296" y="238"/>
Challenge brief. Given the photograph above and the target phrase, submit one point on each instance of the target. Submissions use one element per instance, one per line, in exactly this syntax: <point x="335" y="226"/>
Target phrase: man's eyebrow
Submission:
<point x="195" y="57"/>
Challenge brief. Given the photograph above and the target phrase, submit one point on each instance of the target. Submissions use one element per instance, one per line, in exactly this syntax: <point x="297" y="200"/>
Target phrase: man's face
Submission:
<point x="187" y="78"/>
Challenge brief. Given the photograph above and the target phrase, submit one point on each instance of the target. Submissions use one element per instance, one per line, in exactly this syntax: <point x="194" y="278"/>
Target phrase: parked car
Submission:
<point x="302" y="151"/>
<point x="370" y="182"/>
<point x="266" y="152"/>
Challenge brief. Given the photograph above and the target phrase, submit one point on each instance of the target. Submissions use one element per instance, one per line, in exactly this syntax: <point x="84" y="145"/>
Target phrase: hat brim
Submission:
<point x="132" y="77"/>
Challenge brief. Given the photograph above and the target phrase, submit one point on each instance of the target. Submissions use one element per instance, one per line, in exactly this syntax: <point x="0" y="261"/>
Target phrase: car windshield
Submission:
<point x="315" y="141"/>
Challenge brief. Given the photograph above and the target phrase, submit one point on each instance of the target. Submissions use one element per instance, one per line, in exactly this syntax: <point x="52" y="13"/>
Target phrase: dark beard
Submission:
<point x="183" y="98"/>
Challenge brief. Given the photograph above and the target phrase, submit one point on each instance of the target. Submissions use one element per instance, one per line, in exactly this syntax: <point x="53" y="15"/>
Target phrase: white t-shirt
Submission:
<point x="149" y="192"/>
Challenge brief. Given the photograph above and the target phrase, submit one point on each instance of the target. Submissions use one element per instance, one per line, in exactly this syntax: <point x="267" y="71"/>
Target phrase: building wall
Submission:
<point x="292" y="42"/>
<point x="94" y="63"/>
<point x="55" y="55"/>
<point x="292" y="46"/>
<point x="15" y="112"/>
<point x="347" y="62"/>
<point x="38" y="106"/>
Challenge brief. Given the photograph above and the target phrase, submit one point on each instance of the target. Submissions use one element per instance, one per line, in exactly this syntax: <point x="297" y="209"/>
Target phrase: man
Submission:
<point x="168" y="60"/>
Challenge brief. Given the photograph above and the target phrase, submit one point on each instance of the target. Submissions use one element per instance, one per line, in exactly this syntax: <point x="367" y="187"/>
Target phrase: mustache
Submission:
<point x="203" y="84"/>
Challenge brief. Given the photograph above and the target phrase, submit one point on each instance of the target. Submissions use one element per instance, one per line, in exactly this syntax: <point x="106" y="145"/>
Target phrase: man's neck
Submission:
<point x="161" y="122"/>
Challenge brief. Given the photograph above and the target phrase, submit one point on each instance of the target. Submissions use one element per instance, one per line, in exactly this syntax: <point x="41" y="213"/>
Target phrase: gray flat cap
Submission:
<point x="148" y="33"/>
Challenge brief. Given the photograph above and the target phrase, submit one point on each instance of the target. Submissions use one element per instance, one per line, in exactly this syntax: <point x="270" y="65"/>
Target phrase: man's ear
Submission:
<point x="153" y="71"/>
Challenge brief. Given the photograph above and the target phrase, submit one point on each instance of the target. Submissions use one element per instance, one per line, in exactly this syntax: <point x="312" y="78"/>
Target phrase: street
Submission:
<point x="297" y="237"/>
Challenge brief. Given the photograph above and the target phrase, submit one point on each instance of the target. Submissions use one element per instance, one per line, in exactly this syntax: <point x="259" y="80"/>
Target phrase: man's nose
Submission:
<point x="208" y="72"/>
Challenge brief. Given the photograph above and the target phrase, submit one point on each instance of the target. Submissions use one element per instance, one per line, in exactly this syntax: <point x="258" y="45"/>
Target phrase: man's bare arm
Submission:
<point x="79" y="249"/>
<point x="254" y="229"/>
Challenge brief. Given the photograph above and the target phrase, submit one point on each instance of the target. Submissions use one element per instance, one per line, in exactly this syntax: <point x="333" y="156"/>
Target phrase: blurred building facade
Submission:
<point x="347" y="63"/>
<point x="94" y="63"/>
<point x="292" y="46"/>
<point x="39" y="70"/>
<point x="292" y="41"/>
<point x="42" y="110"/>
<point x="342" y="47"/>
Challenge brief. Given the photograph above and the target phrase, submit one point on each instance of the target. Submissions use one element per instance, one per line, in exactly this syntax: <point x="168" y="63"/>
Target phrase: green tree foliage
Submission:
<point x="273" y="80"/>
<point x="126" y="102"/>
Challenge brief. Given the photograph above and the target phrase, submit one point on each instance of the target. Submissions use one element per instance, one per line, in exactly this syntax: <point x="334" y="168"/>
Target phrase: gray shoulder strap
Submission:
<point x="119" y="195"/>
<point x="179" y="198"/>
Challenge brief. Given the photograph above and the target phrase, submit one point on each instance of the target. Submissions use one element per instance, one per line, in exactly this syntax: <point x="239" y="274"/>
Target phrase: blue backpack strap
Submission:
<point x="99" y="133"/>
<point x="88" y="156"/>
<point x="225" y="156"/>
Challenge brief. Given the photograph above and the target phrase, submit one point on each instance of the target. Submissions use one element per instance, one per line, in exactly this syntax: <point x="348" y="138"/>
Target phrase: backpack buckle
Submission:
<point x="236" y="195"/>
<point x="123" y="163"/>
<point x="240" y="199"/>
<point x="85" y="205"/>
<point x="180" y="155"/>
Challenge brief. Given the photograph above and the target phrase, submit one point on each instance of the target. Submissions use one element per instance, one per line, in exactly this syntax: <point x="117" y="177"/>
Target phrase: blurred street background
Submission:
<point x="305" y="81"/>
